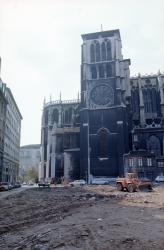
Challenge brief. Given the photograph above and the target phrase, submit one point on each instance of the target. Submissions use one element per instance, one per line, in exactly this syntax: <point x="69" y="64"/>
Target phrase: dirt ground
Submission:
<point x="89" y="218"/>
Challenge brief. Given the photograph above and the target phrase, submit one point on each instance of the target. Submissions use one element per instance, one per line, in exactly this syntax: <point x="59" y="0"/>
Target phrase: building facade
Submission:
<point x="3" y="105"/>
<point x="29" y="158"/>
<point x="117" y="118"/>
<point x="147" y="105"/>
<point x="60" y="140"/>
<point x="12" y="132"/>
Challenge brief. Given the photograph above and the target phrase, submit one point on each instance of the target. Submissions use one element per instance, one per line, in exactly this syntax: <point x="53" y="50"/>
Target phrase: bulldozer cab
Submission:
<point x="131" y="175"/>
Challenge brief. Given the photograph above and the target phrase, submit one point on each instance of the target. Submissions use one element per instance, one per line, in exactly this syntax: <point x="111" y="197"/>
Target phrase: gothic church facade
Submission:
<point x="116" y="126"/>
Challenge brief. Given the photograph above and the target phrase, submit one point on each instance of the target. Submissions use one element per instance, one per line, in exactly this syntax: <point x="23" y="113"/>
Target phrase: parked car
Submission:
<point x="160" y="178"/>
<point x="17" y="185"/>
<point x="4" y="186"/>
<point x="99" y="181"/>
<point x="43" y="184"/>
<point x="77" y="183"/>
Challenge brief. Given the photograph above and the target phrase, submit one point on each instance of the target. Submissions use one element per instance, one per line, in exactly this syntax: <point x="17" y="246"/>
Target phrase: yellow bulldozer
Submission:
<point x="132" y="183"/>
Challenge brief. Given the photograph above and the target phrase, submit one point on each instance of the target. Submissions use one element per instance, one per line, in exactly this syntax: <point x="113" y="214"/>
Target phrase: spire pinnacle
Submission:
<point x="50" y="98"/>
<point x="44" y="101"/>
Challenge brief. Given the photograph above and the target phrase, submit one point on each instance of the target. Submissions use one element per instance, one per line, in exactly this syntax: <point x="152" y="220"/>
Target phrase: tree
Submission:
<point x="32" y="174"/>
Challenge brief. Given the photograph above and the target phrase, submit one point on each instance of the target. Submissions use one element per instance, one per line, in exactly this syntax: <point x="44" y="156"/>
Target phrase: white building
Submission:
<point x="11" y="139"/>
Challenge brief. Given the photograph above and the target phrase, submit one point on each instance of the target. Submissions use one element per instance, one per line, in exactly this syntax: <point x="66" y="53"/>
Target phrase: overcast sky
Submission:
<point x="40" y="46"/>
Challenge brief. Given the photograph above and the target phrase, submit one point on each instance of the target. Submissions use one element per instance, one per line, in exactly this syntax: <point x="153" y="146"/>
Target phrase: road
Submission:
<point x="5" y="194"/>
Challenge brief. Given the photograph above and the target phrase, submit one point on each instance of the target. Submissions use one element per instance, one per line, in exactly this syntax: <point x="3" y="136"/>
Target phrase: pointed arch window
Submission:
<point x="150" y="97"/>
<point x="144" y="92"/>
<point x="108" y="70"/>
<point x="55" y="116"/>
<point x="101" y="71"/>
<point x="97" y="52"/>
<point x="103" y="52"/>
<point x="135" y="100"/>
<point x="66" y="116"/>
<point x="46" y="117"/>
<point x="70" y="114"/>
<point x="147" y="100"/>
<point x="154" y="145"/>
<point x="92" y="53"/>
<point x="154" y="100"/>
<point x="93" y="72"/>
<point x="109" y="51"/>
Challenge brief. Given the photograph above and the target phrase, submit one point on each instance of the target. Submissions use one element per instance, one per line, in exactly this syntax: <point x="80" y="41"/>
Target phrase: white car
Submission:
<point x="160" y="178"/>
<point x="77" y="183"/>
<point x="99" y="182"/>
<point x="4" y="186"/>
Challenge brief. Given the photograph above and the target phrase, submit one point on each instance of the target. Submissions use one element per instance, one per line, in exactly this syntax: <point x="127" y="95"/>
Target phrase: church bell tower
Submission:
<point x="104" y="73"/>
<point x="104" y="93"/>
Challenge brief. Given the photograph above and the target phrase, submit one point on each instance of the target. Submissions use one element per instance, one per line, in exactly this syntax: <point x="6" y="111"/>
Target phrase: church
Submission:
<point x="115" y="126"/>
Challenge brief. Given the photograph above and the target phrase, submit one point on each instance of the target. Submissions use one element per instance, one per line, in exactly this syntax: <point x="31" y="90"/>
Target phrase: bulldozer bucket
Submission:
<point x="145" y="187"/>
